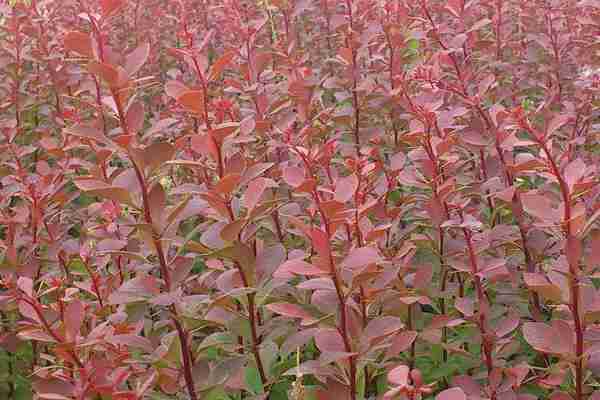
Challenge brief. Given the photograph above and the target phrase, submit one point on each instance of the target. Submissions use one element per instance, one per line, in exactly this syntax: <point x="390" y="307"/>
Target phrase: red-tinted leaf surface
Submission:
<point x="346" y="188"/>
<point x="74" y="316"/>
<point x="557" y="338"/>
<point x="79" y="42"/>
<point x="298" y="267"/>
<point x="329" y="340"/>
<point x="289" y="310"/>
<point x="110" y="6"/>
<point x="137" y="58"/>
<point x="192" y="100"/>
<point x="401" y="342"/>
<point x="361" y="257"/>
<point x="452" y="394"/>
<point x="399" y="375"/>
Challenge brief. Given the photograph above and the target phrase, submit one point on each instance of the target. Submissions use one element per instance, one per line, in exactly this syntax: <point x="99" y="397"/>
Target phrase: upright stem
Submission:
<point x="342" y="328"/>
<point x="355" y="104"/>
<point x="163" y="264"/>
<point x="482" y="299"/>
<point x="573" y="273"/>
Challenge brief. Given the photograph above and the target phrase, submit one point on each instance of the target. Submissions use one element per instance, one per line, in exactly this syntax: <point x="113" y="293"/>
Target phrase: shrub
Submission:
<point x="296" y="199"/>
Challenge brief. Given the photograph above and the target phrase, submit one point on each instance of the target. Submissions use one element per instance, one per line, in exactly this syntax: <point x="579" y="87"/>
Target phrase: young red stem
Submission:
<point x="342" y="328"/>
<point x="482" y="299"/>
<point x="573" y="272"/>
<point x="36" y="307"/>
<point x="164" y="268"/>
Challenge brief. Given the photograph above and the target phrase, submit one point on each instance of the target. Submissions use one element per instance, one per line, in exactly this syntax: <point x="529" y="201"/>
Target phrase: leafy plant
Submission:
<point x="299" y="199"/>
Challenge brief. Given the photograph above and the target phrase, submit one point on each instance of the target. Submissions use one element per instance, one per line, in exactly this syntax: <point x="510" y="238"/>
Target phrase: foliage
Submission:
<point x="299" y="199"/>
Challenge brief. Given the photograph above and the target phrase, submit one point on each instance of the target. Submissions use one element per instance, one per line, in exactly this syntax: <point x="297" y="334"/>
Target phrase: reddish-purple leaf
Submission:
<point x="135" y="117"/>
<point x="110" y="6"/>
<point x="329" y="340"/>
<point x="557" y="338"/>
<point x="362" y="257"/>
<point x="452" y="394"/>
<point x="192" y="100"/>
<point x="345" y="188"/>
<point x="73" y="316"/>
<point x="399" y="375"/>
<point x="289" y="310"/>
<point x="79" y="42"/>
<point x="540" y="207"/>
<point x="137" y="58"/>
<point x="293" y="176"/>
<point x="131" y="340"/>
<point x="101" y="189"/>
<point x="297" y="267"/>
<point x="382" y="326"/>
<point x="175" y="89"/>
<point x="254" y="192"/>
<point x="401" y="342"/>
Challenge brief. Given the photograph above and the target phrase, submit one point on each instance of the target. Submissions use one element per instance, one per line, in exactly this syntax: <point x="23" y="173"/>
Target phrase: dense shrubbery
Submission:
<point x="299" y="199"/>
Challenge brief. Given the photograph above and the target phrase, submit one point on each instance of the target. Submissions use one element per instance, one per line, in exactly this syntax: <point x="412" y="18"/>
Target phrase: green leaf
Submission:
<point x="76" y="265"/>
<point x="217" y="394"/>
<point x="279" y="391"/>
<point x="413" y="44"/>
<point x="382" y="384"/>
<point x="252" y="378"/>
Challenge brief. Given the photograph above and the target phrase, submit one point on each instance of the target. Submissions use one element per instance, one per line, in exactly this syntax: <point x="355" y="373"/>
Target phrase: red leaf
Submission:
<point x="73" y="317"/>
<point x="157" y="154"/>
<point x="345" y="188"/>
<point x="157" y="199"/>
<point x="289" y="310"/>
<point x="79" y="42"/>
<point x="465" y="305"/>
<point x="320" y="242"/>
<point x="255" y="171"/>
<point x="401" y="342"/>
<point x="329" y="340"/>
<point x="560" y="396"/>
<point x="507" y="325"/>
<point x="175" y="89"/>
<point x="293" y="176"/>
<point x="361" y="257"/>
<point x="135" y="117"/>
<point x="205" y="145"/>
<point x="132" y="341"/>
<point x="540" y="284"/>
<point x="101" y="189"/>
<point x="231" y="231"/>
<point x="113" y="76"/>
<point x="559" y="338"/>
<point x="317" y="284"/>
<point x="193" y="101"/>
<point x="254" y="192"/>
<point x="297" y="267"/>
<point x="298" y="339"/>
<point x="452" y="394"/>
<point x="137" y="58"/>
<point x="228" y="184"/>
<point x="110" y="6"/>
<point x="556" y="123"/>
<point x="25" y="284"/>
<point x="218" y="66"/>
<point x="540" y="207"/>
<point x="28" y="311"/>
<point x="382" y="326"/>
<point x="399" y="375"/>
<point x="574" y="171"/>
